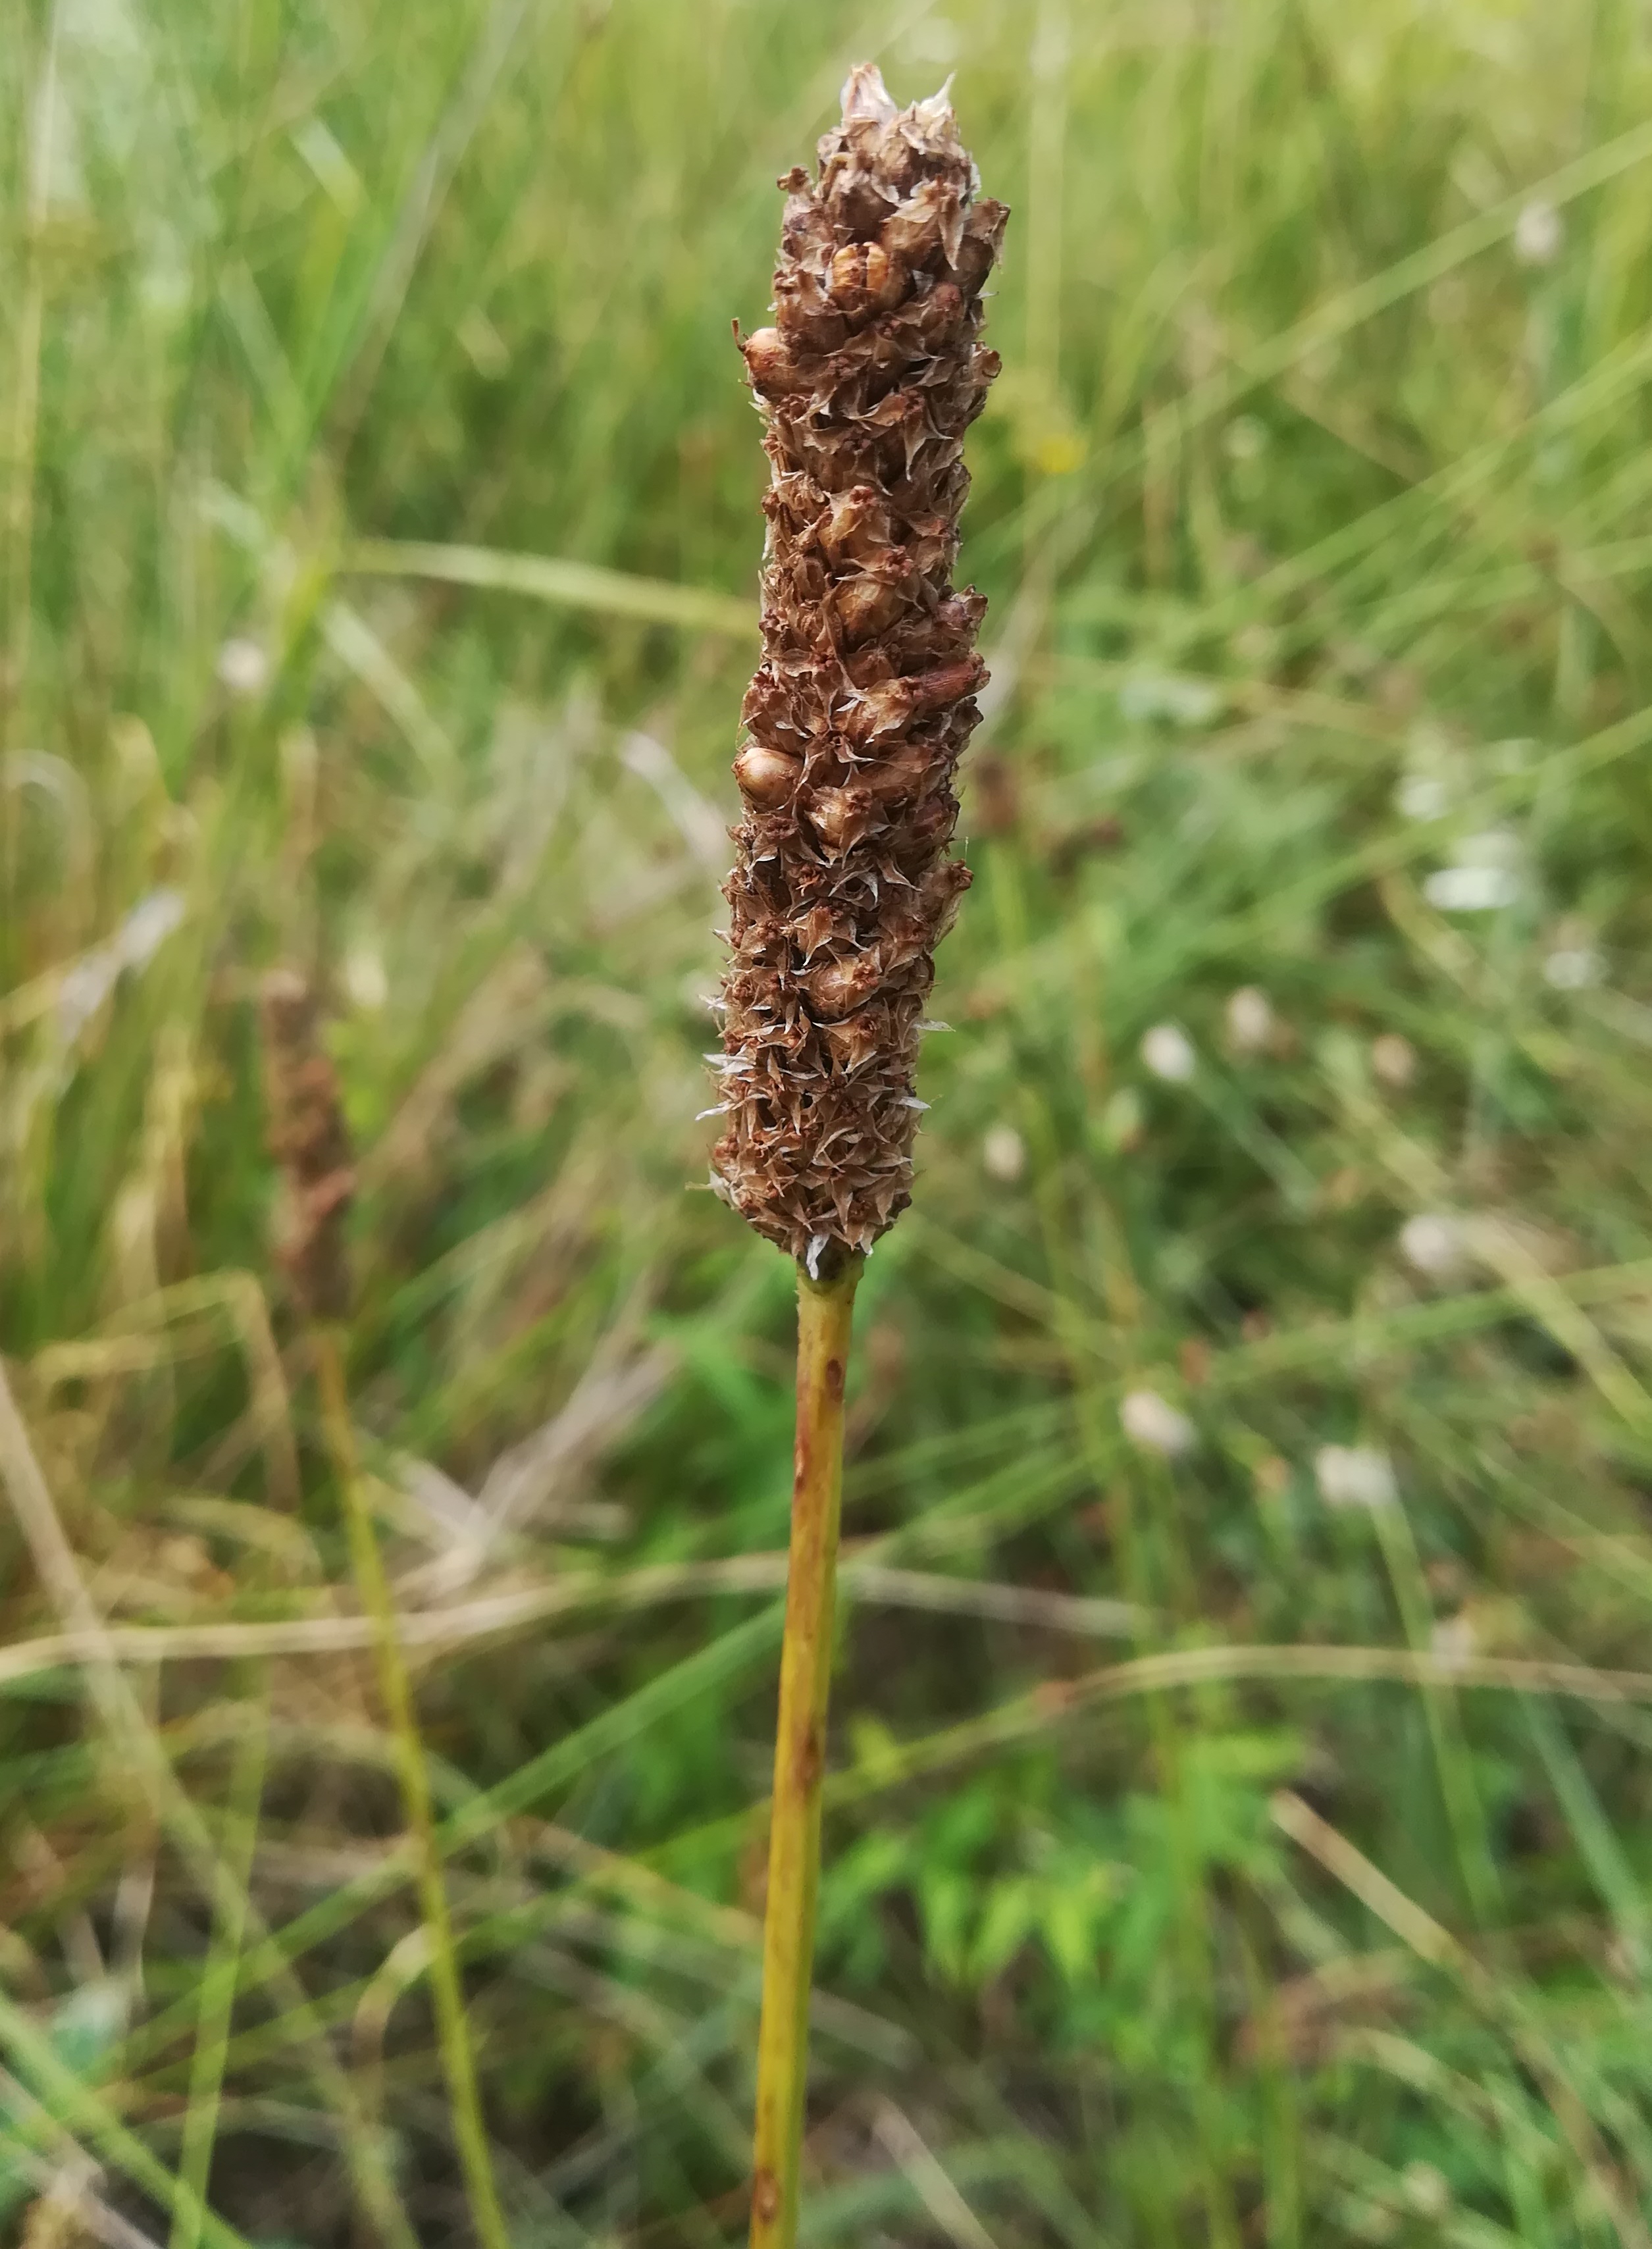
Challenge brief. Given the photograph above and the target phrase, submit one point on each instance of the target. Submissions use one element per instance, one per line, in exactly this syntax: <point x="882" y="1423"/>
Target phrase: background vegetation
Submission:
<point x="1236" y="1836"/>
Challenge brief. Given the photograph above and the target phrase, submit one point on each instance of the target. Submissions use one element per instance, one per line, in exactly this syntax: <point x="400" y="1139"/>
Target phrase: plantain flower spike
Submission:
<point x="310" y="1142"/>
<point x="844" y="882"/>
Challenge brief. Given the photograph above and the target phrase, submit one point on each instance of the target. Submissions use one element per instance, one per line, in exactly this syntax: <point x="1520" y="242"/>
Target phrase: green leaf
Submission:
<point x="1011" y="1914"/>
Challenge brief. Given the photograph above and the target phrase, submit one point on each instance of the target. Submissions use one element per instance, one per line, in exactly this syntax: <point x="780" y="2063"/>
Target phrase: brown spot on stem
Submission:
<point x="765" y="2197"/>
<point x="834" y="1378"/>
<point x="808" y="1761"/>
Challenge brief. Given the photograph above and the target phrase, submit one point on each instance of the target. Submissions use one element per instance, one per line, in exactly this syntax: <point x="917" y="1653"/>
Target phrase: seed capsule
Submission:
<point x="865" y="275"/>
<point x="856" y="527"/>
<point x="766" y="777"/>
<point x="770" y="365"/>
<point x="842" y="816"/>
<point x="867" y="605"/>
<point x="842" y="985"/>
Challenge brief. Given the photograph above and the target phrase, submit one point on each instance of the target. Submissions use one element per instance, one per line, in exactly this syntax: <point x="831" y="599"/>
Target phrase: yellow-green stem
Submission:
<point x="825" y="1309"/>
<point x="452" y="2030"/>
<point x="217" y="1987"/>
<point x="41" y="100"/>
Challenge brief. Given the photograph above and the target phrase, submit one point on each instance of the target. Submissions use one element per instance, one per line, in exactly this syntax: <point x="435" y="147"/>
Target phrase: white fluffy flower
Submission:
<point x="1249" y="1020"/>
<point x="1003" y="1155"/>
<point x="365" y="979"/>
<point x="1472" y="890"/>
<point x="1244" y="438"/>
<point x="1394" y="1059"/>
<point x="1152" y="1422"/>
<point x="1487" y="874"/>
<point x="1422" y="796"/>
<point x="1539" y="233"/>
<point x="1354" y="1476"/>
<point x="1432" y="1243"/>
<point x="242" y="668"/>
<point x="1454" y="1639"/>
<point x="1169" y="1053"/>
<point x="1573" y="968"/>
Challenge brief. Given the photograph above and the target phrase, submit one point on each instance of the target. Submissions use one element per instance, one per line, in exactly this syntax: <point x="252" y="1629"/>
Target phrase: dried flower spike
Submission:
<point x="310" y="1143"/>
<point x="865" y="695"/>
<point x="843" y="885"/>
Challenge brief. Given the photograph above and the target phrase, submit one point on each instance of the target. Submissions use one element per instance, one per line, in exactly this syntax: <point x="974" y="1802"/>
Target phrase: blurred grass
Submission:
<point x="1239" y="1807"/>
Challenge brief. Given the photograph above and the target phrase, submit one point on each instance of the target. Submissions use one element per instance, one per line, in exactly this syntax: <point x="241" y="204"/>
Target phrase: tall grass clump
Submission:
<point x="857" y="716"/>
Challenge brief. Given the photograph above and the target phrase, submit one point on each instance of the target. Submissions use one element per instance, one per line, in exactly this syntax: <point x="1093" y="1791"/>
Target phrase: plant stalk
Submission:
<point x="452" y="2030"/>
<point x="824" y="1312"/>
<point x="218" y="1985"/>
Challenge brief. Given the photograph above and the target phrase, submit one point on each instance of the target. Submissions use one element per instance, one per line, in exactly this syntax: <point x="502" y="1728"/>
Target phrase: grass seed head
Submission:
<point x="843" y="883"/>
<point x="310" y="1145"/>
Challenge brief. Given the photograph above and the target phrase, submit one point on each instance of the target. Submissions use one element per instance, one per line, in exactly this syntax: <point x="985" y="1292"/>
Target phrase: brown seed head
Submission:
<point x="308" y="1138"/>
<point x="865" y="698"/>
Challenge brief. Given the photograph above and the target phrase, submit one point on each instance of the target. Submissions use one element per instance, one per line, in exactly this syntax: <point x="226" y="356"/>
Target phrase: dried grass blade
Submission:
<point x="552" y="579"/>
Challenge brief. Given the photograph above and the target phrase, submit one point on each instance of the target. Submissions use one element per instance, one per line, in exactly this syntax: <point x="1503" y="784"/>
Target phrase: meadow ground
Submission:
<point x="1238" y="1809"/>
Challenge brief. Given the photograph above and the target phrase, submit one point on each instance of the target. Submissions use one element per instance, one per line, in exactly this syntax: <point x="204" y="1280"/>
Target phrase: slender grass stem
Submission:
<point x="452" y="2031"/>
<point x="26" y="400"/>
<point x="217" y="1987"/>
<point x="824" y="1312"/>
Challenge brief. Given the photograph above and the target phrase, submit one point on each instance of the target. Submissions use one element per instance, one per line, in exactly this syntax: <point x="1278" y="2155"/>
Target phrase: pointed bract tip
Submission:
<point x="937" y="110"/>
<point x="866" y="98"/>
